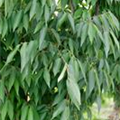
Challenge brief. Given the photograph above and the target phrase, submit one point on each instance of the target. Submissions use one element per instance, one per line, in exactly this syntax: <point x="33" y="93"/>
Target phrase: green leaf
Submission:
<point x="24" y="112"/>
<point x="97" y="81"/>
<point x="84" y="33"/>
<point x="38" y="26"/>
<point x="71" y="20"/>
<point x="106" y="42"/>
<point x="74" y="92"/>
<point x="24" y="60"/>
<point x="42" y="37"/>
<point x="33" y="9"/>
<point x="47" y="13"/>
<point x="16" y="86"/>
<point x="11" y="80"/>
<point x="56" y="35"/>
<point x="61" y="20"/>
<point x="5" y="27"/>
<point x="57" y="66"/>
<point x="2" y="92"/>
<point x="91" y="83"/>
<point x="91" y="32"/>
<point x="66" y="113"/>
<point x="17" y="19"/>
<point x="82" y="70"/>
<point x="115" y="39"/>
<point x="25" y="22"/>
<point x="10" y="110"/>
<point x="30" y="114"/>
<point x="115" y="20"/>
<point x="62" y="73"/>
<point x="64" y="3"/>
<point x="4" y="110"/>
<point x="60" y="109"/>
<point x="1" y="2"/>
<point x="46" y="76"/>
<point x="12" y="54"/>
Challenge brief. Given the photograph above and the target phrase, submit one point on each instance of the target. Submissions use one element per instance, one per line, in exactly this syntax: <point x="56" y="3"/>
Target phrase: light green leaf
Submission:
<point x="2" y="92"/>
<point x="11" y="55"/>
<point x="24" y="113"/>
<point x="91" y="83"/>
<point x="25" y="22"/>
<point x="91" y="32"/>
<point x="62" y="73"/>
<point x="4" y="110"/>
<point x="33" y="9"/>
<point x="42" y="37"/>
<point x="61" y="20"/>
<point x="106" y="43"/>
<point x="56" y="36"/>
<point x="46" y="76"/>
<point x="1" y="2"/>
<point x="60" y="109"/>
<point x="82" y="70"/>
<point x="30" y="114"/>
<point x="5" y="27"/>
<point x="71" y="20"/>
<point x="57" y="66"/>
<point x="97" y="81"/>
<point x="115" y="39"/>
<point x="47" y="13"/>
<point x="38" y="26"/>
<point x="66" y="113"/>
<point x="17" y="19"/>
<point x="84" y="33"/>
<point x="10" y="110"/>
<point x="74" y="92"/>
<point x="64" y="3"/>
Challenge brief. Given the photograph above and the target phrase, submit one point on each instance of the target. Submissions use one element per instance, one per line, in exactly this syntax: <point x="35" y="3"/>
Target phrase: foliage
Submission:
<point x="56" y="58"/>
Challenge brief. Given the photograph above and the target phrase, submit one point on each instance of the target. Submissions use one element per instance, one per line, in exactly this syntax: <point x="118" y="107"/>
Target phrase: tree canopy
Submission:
<point x="57" y="57"/>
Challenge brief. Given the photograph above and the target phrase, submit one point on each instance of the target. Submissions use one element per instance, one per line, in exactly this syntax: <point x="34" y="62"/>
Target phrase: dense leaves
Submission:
<point x="57" y="57"/>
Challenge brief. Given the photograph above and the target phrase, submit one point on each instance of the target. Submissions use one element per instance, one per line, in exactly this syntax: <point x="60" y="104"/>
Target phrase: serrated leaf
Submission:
<point x="74" y="92"/>
<point x="62" y="73"/>
<point x="17" y="19"/>
<point x="46" y="77"/>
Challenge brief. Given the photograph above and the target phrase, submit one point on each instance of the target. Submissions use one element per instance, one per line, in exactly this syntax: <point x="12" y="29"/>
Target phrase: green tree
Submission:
<point x="57" y="57"/>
